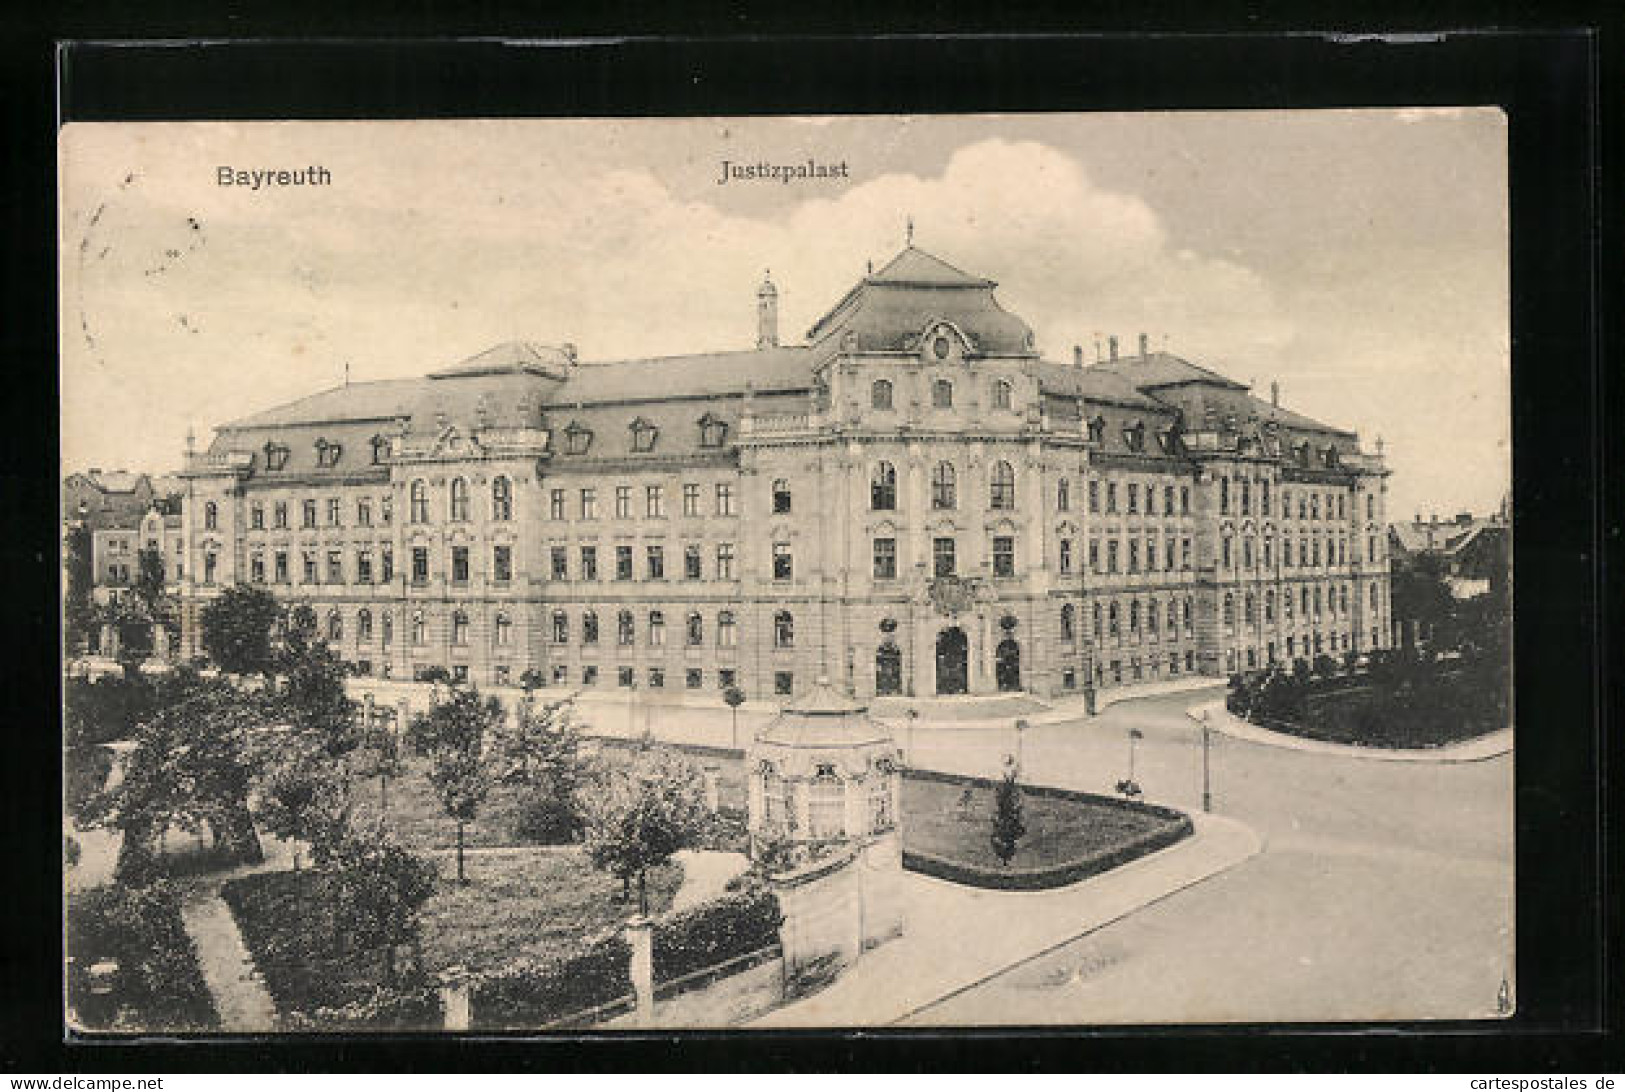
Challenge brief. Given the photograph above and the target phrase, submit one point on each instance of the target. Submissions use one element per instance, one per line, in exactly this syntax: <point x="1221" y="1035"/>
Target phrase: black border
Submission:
<point x="1547" y="80"/>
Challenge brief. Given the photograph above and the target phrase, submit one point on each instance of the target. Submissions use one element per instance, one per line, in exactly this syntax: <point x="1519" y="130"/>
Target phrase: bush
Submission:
<point x="411" y="1009"/>
<point x="529" y="994"/>
<point x="84" y="772"/>
<point x="1036" y="879"/>
<point x="158" y="986"/>
<point x="714" y="932"/>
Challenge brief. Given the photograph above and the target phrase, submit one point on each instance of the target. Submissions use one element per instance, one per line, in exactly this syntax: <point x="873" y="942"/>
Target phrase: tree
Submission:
<point x="640" y="814"/>
<point x="1008" y="827"/>
<point x="1420" y="594"/>
<point x="312" y="695"/>
<point x="237" y="630"/>
<point x="734" y="697"/>
<point x="78" y="612"/>
<point x="453" y="735"/>
<point x="377" y="891"/>
<point x="304" y="798"/>
<point x="542" y="754"/>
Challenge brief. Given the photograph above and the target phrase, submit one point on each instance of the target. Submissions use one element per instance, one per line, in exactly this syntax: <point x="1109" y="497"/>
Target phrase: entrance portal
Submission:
<point x="888" y="670"/>
<point x="953" y="658"/>
<point x="1007" y="665"/>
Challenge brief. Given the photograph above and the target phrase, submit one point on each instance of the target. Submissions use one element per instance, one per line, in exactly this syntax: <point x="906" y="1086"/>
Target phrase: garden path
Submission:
<point x="706" y="873"/>
<point x="239" y="992"/>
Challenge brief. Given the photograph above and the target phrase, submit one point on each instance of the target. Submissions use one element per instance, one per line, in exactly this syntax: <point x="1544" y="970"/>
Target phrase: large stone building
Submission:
<point x="914" y="501"/>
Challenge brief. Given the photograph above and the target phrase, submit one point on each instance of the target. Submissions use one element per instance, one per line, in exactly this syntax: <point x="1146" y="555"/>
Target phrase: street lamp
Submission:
<point x="1021" y="734"/>
<point x="1207" y="739"/>
<point x="913" y="715"/>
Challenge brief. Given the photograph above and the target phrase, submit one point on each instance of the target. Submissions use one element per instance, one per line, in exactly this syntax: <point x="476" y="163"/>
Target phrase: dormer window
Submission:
<point x="643" y="436"/>
<point x="1331" y="456"/>
<point x="327" y="453"/>
<point x="1001" y="394"/>
<point x="380" y="450"/>
<point x="713" y="431"/>
<point x="1097" y="430"/>
<point x="1134" y="436"/>
<point x="942" y="394"/>
<point x="1168" y="440"/>
<point x="577" y="438"/>
<point x="276" y="456"/>
<point x="1301" y="451"/>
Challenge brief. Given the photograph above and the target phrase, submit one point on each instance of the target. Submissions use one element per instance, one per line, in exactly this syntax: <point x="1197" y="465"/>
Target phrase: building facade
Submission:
<point x="914" y="501"/>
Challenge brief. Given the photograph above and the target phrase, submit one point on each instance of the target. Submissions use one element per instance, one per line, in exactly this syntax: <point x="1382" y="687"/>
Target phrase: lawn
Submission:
<point x="416" y="817"/>
<point x="955" y="822"/>
<point x="521" y="903"/>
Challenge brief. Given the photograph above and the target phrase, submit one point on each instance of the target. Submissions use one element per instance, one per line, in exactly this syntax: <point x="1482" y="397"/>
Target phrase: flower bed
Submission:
<point x="947" y="827"/>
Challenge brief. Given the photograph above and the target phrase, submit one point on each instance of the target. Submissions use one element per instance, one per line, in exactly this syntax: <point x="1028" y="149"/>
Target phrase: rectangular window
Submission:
<point x="386" y="564"/>
<point x="725" y="499"/>
<point x="309" y="567"/>
<point x="279" y="515"/>
<point x="1094" y="496"/>
<point x="655" y="558"/>
<point x="693" y="678"/>
<point x="589" y="503"/>
<point x="657" y="678"/>
<point x="691" y="562"/>
<point x="623" y="563"/>
<point x="420" y="564"/>
<point x="1184" y="553"/>
<point x="256" y="517"/>
<point x="1066" y="557"/>
<point x="559" y="560"/>
<point x="459" y="564"/>
<point x="363" y="512"/>
<point x="1150" y="555"/>
<point x="386" y="513"/>
<point x="725" y="561"/>
<point x="623" y="502"/>
<point x="942" y="556"/>
<point x="624" y="677"/>
<point x="502" y="563"/>
<point x="282" y="566"/>
<point x="589" y="563"/>
<point x="335" y="567"/>
<point x="654" y="501"/>
<point x="784" y="566"/>
<point x="691" y="499"/>
<point x="784" y="682"/>
<point x="256" y="569"/>
<point x="209" y="562"/>
<point x="885" y="559"/>
<point x="1184" y="500"/>
<point x="589" y="675"/>
<point x="555" y="504"/>
<point x="1168" y="554"/>
<point x="1111" y="497"/>
<point x="1133" y="497"/>
<point x="727" y="677"/>
<point x="1094" y="555"/>
<point x="308" y="511"/>
<point x="363" y="566"/>
<point x="1111" y="556"/>
<point x="333" y="507"/>
<point x="1133" y="555"/>
<point x="1004" y="555"/>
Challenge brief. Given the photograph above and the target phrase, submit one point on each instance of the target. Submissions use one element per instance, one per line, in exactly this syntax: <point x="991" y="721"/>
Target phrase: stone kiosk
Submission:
<point x="824" y="789"/>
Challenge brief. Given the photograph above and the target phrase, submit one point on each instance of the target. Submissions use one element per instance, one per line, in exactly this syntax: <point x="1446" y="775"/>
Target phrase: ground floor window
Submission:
<point x="1069" y="679"/>
<point x="693" y="678"/>
<point x="624" y="677"/>
<point x="501" y="674"/>
<point x="784" y="682"/>
<point x="589" y="675"/>
<point x="657" y="678"/>
<point x="727" y="677"/>
<point x="459" y="673"/>
<point x="561" y="674"/>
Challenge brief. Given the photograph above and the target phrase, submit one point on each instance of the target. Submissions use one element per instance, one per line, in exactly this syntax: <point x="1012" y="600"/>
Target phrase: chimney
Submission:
<point x="1145" y="346"/>
<point x="1077" y="356"/>
<point x="1112" y="344"/>
<point x="767" y="313"/>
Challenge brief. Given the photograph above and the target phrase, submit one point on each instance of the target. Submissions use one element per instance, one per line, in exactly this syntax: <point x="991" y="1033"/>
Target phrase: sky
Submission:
<point x="1358" y="258"/>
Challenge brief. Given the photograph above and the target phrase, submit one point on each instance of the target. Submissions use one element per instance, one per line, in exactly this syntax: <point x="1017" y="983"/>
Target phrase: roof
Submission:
<point x="824" y="717"/>
<point x="1094" y="385"/>
<point x="886" y="311"/>
<point x="376" y="400"/>
<point x="114" y="481"/>
<point x="511" y="357"/>
<point x="1164" y="369"/>
<point x="695" y="375"/>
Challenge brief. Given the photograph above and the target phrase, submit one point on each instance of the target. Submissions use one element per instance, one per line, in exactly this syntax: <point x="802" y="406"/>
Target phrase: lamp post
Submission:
<point x="913" y="715"/>
<point x="1021" y="735"/>
<point x="1207" y="739"/>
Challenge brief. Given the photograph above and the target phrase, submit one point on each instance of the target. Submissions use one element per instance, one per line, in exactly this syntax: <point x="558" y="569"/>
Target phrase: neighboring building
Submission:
<point x="1471" y="554"/>
<point x="914" y="501"/>
<point x="101" y="498"/>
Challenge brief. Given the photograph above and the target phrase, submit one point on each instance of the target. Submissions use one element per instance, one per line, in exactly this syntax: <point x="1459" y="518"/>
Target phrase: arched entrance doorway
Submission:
<point x="888" y="670"/>
<point x="953" y="657"/>
<point x="1007" y="665"/>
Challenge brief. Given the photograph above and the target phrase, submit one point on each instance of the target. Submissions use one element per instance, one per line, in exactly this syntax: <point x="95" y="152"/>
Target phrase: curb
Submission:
<point x="1223" y="721"/>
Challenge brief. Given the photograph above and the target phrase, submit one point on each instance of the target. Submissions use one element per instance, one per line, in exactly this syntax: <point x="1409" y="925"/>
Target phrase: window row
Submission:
<point x="1309" y="602"/>
<point x="643" y="435"/>
<point x="882" y="394"/>
<point x="944" y="557"/>
<point x="724" y="632"/>
<point x="1240" y="495"/>
<point x="457" y="500"/>
<point x="310" y="510"/>
<point x="369" y="567"/>
<point x="1133" y="556"/>
<point x="1106" y="495"/>
<point x="653" y="501"/>
<point x="1152" y="618"/>
<point x="623" y="559"/>
<point x="417" y="628"/>
<point x="944" y="487"/>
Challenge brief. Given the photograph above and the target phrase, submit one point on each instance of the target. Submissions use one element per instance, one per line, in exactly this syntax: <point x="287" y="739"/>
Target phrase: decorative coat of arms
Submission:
<point x="951" y="594"/>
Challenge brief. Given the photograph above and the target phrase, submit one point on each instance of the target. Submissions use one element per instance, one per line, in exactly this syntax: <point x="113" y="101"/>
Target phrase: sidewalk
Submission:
<point x="1473" y="750"/>
<point x="956" y="937"/>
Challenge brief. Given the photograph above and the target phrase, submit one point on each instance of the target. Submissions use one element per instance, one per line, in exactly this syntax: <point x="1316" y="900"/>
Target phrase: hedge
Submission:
<point x="385" y="1010"/>
<point x="530" y="994"/>
<point x="1036" y="879"/>
<point x="158" y="985"/>
<point x="714" y="932"/>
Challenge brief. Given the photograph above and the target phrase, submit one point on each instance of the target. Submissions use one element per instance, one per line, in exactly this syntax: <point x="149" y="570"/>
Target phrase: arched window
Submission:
<point x="1069" y="627"/>
<point x="1002" y="487"/>
<point x="880" y="394"/>
<point x="504" y="631"/>
<point x="781" y="496"/>
<point x="459" y="627"/>
<point x="944" y="489"/>
<point x="1134" y="618"/>
<point x="1001" y="394"/>
<point x="1187" y="615"/>
<point x="589" y="627"/>
<point x="826" y="806"/>
<point x="883" y="488"/>
<point x="1063" y="495"/>
<point x="501" y="499"/>
<point x="459" y="500"/>
<point x="626" y="628"/>
<point x="727" y="632"/>
<point x="784" y="630"/>
<point x="335" y="626"/>
<point x="387" y="629"/>
<point x="1249" y="609"/>
<point x="1229" y="611"/>
<point x="1224" y="496"/>
<point x="363" y="626"/>
<point x="1269" y="606"/>
<point x="942" y="394"/>
<point x="1114" y="624"/>
<point x="419" y="634"/>
<point x="211" y="517"/>
<point x="1097" y="621"/>
<point x="420" y="502"/>
<point x="694" y="630"/>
